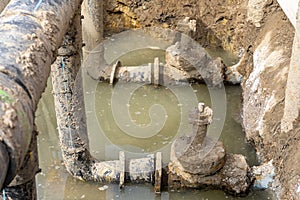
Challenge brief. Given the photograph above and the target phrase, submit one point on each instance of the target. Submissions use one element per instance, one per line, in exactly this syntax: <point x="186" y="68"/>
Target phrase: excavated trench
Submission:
<point x="260" y="34"/>
<point x="219" y="27"/>
<point x="249" y="44"/>
<point x="107" y="144"/>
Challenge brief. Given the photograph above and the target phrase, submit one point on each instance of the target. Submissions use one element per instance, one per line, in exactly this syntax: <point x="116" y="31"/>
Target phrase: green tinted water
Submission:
<point x="55" y="183"/>
<point x="108" y="134"/>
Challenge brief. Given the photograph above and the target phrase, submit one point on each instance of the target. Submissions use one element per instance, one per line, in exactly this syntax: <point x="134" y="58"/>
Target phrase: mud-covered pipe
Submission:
<point x="30" y="34"/>
<point x="92" y="24"/>
<point x="4" y="162"/>
<point x="23" y="185"/>
<point x="70" y="112"/>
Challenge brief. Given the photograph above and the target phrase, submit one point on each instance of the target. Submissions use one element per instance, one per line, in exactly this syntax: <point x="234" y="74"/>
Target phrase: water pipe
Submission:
<point x="30" y="34"/>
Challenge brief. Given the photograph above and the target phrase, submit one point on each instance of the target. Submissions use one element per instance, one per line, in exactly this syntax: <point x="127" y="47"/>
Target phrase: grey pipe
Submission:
<point x="30" y="34"/>
<point x="92" y="24"/>
<point x="70" y="112"/>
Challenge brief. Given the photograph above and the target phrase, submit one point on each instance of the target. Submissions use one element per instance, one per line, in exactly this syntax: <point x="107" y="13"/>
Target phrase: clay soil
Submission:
<point x="283" y="148"/>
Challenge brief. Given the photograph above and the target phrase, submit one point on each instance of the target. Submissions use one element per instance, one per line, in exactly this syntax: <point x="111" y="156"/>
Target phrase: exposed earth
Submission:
<point x="257" y="32"/>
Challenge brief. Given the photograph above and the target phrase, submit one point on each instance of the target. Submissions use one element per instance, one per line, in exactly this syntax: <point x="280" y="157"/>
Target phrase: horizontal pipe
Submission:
<point x="30" y="34"/>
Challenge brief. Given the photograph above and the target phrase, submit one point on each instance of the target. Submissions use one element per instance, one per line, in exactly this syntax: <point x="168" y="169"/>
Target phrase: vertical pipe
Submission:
<point x="92" y="23"/>
<point x="70" y="112"/>
<point x="69" y="106"/>
<point x="92" y="33"/>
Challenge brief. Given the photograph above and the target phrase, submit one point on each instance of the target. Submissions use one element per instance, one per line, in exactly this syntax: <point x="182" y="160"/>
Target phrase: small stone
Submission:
<point x="235" y="174"/>
<point x="263" y="175"/>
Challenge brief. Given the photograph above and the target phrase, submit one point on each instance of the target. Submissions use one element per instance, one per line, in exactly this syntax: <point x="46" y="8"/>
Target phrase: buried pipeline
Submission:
<point x="30" y="34"/>
<point x="36" y="38"/>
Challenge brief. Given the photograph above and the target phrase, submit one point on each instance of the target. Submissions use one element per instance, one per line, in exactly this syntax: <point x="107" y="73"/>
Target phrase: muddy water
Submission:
<point x="108" y="135"/>
<point x="55" y="183"/>
<point x="116" y="138"/>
